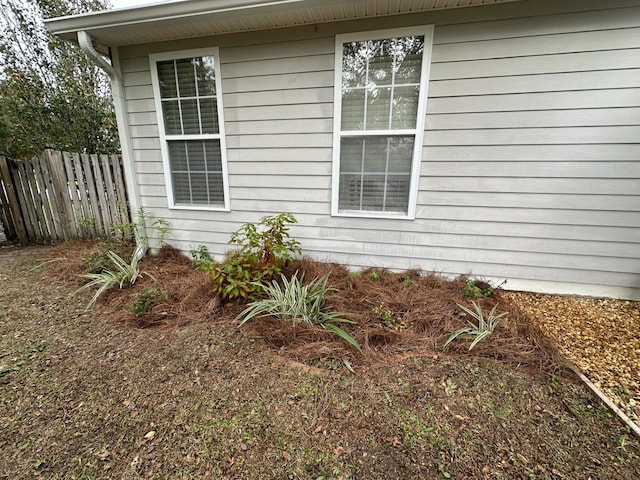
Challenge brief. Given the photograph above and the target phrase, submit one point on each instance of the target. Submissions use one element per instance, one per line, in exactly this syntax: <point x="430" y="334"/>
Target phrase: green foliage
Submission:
<point x="201" y="258"/>
<point x="295" y="301"/>
<point x="263" y="250"/>
<point x="146" y="300"/>
<point x="406" y="279"/>
<point x="375" y="276"/>
<point x="99" y="261"/>
<point x="161" y="226"/>
<point x="480" y="330"/>
<point x="51" y="94"/>
<point x="473" y="289"/>
<point x="384" y="313"/>
<point x="355" y="274"/>
<point x="120" y="273"/>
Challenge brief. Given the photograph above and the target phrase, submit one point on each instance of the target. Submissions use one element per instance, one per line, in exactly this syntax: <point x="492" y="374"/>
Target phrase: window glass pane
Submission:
<point x="397" y="193"/>
<point x="216" y="192"/>
<point x="349" y="192"/>
<point x="205" y="75"/>
<point x="375" y="154"/>
<point x="400" y="154"/>
<point x="351" y="154"/>
<point x="171" y="113"/>
<point x="190" y="116"/>
<point x="181" y="188"/>
<point x="209" y="115"/>
<point x="199" y="189"/>
<point x="195" y="150"/>
<point x="380" y="64"/>
<point x="378" y="108"/>
<point x="167" y="79"/>
<point x="186" y="78"/>
<point x="382" y="67"/>
<point x="213" y="156"/>
<point x="373" y="187"/>
<point x="178" y="156"/>
<point x="375" y="173"/>
<point x="353" y="109"/>
<point x="355" y="62"/>
<point x="196" y="171"/>
<point x="405" y="107"/>
<point x="407" y="54"/>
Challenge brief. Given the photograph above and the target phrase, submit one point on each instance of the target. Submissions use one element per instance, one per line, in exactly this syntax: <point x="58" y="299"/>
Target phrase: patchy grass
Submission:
<point x="88" y="395"/>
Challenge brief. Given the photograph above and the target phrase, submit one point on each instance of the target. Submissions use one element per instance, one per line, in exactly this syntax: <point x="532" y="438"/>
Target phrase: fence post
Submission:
<point x="18" y="223"/>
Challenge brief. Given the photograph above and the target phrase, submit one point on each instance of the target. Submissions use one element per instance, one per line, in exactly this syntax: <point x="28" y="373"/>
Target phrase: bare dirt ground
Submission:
<point x="183" y="393"/>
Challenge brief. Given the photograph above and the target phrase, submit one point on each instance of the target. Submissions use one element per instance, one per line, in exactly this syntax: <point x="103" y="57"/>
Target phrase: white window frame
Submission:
<point x="427" y="32"/>
<point x="164" y="138"/>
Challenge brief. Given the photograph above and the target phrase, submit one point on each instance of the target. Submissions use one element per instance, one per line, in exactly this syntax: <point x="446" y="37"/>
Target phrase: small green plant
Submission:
<point x="355" y="274"/>
<point x="161" y="226"/>
<point x="146" y="300"/>
<point x="263" y="250"/>
<point x="384" y="313"/>
<point x="201" y="258"/>
<point x="480" y="330"/>
<point x="375" y="276"/>
<point x="89" y="226"/>
<point x="406" y="279"/>
<point x="121" y="273"/>
<point x="476" y="289"/>
<point x="298" y="302"/>
<point x="99" y="261"/>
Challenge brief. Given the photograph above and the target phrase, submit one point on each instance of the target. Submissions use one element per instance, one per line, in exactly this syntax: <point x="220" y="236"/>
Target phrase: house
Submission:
<point x="497" y="138"/>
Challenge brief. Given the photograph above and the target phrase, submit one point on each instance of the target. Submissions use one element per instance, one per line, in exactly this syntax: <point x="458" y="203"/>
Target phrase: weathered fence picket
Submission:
<point x="61" y="195"/>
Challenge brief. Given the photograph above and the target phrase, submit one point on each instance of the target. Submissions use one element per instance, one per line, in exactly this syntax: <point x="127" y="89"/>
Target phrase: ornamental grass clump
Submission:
<point x="480" y="330"/>
<point x="120" y="273"/>
<point x="299" y="302"/>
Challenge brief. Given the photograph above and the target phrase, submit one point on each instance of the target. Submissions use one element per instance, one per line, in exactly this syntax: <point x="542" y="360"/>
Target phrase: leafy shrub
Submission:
<point x="263" y="250"/>
<point x="479" y="331"/>
<point x="296" y="301"/>
<point x="146" y="300"/>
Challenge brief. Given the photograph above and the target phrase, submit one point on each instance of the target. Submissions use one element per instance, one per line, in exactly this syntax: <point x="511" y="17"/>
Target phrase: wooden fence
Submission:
<point x="59" y="196"/>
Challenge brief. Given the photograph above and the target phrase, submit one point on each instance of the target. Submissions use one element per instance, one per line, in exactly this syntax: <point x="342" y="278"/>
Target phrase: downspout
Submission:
<point x="119" y="102"/>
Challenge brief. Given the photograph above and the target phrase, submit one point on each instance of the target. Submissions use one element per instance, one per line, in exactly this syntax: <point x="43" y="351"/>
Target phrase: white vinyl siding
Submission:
<point x="189" y="102"/>
<point x="530" y="158"/>
<point x="379" y="105"/>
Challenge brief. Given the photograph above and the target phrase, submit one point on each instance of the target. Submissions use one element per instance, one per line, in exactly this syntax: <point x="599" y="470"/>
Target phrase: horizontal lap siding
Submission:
<point x="533" y="131"/>
<point x="530" y="160"/>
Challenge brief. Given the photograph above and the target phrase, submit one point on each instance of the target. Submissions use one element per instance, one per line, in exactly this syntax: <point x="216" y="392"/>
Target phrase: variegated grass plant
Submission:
<point x="120" y="274"/>
<point x="299" y="302"/>
<point x="480" y="330"/>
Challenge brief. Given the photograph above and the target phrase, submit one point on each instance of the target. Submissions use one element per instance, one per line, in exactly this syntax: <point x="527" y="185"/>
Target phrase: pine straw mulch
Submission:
<point x="424" y="311"/>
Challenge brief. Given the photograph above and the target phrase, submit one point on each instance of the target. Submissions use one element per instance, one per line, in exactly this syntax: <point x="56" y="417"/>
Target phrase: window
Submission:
<point x="380" y="105"/>
<point x="189" y="105"/>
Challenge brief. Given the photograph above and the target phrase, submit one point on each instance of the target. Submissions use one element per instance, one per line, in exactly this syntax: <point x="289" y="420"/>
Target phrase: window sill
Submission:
<point x="383" y="215"/>
<point x="199" y="208"/>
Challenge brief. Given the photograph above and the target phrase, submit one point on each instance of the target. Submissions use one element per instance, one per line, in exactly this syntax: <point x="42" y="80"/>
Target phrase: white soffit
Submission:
<point x="196" y="18"/>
